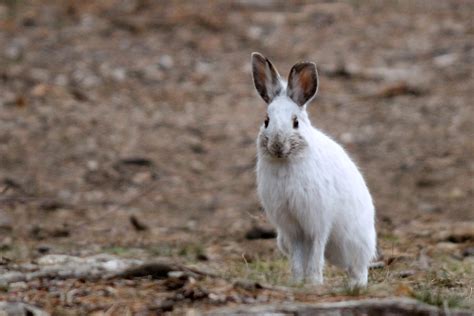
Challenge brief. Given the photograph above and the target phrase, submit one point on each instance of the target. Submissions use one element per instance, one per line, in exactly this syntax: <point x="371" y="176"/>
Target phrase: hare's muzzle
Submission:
<point x="277" y="150"/>
<point x="274" y="146"/>
<point x="277" y="147"/>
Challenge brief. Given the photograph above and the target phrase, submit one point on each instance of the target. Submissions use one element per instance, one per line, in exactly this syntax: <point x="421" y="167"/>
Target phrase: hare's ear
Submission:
<point x="302" y="83"/>
<point x="265" y="77"/>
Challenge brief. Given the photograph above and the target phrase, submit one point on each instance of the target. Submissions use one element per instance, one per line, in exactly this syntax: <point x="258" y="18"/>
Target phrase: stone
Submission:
<point x="20" y="309"/>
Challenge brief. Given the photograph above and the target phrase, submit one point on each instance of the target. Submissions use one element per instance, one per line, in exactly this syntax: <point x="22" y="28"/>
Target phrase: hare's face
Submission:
<point x="281" y="134"/>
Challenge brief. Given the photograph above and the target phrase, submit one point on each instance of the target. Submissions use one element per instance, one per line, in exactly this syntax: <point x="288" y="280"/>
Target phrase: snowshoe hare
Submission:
<point x="309" y="187"/>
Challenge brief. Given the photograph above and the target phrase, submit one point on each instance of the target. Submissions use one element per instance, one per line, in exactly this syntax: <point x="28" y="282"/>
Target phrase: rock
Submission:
<point x="18" y="286"/>
<point x="4" y="260"/>
<point x="152" y="73"/>
<point x="6" y="224"/>
<point x="119" y="74"/>
<point x="429" y="208"/>
<point x="447" y="247"/>
<point x="468" y="252"/>
<point x="456" y="193"/>
<point x="347" y="138"/>
<point x="39" y="74"/>
<point x="57" y="259"/>
<point x="29" y="267"/>
<point x="39" y="90"/>
<point x="217" y="298"/>
<point x="260" y="4"/>
<point x="166" y="61"/>
<point x="92" y="165"/>
<point x="445" y="60"/>
<point x="247" y="285"/>
<point x="458" y="233"/>
<point x="164" y="306"/>
<point x="254" y="32"/>
<point x="13" y="52"/>
<point x="391" y="74"/>
<point x="20" y="309"/>
<point x="406" y="273"/>
<point x="176" y="274"/>
<point x="192" y="312"/>
<point x="11" y="277"/>
<point x="3" y="11"/>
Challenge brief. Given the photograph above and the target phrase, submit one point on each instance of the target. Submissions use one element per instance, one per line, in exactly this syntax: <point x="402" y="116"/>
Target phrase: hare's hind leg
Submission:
<point x="359" y="257"/>
<point x="358" y="276"/>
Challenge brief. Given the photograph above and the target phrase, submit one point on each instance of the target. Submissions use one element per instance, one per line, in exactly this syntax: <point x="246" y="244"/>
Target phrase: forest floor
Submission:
<point x="127" y="129"/>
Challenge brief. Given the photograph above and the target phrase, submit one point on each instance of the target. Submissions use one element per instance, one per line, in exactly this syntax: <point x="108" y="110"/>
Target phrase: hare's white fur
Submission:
<point x="315" y="196"/>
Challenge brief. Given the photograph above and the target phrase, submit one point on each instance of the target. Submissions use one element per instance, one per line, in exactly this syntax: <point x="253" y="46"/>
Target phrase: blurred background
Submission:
<point x="130" y="126"/>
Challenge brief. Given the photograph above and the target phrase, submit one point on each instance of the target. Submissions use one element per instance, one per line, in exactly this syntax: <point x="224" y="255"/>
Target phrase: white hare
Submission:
<point x="309" y="187"/>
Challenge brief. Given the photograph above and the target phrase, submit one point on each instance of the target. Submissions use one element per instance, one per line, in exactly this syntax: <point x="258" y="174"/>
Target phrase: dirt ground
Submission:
<point x="129" y="127"/>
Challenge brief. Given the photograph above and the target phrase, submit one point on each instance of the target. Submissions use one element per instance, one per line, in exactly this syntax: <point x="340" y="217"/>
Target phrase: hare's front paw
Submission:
<point x="298" y="279"/>
<point x="297" y="271"/>
<point x="297" y="260"/>
<point x="315" y="279"/>
<point x="358" y="277"/>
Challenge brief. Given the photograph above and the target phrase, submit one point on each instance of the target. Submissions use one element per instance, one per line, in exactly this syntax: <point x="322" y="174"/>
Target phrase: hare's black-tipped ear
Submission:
<point x="265" y="77"/>
<point x="302" y="83"/>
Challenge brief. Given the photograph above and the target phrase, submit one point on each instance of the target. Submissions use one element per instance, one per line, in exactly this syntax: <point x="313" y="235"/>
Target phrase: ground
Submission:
<point x="128" y="128"/>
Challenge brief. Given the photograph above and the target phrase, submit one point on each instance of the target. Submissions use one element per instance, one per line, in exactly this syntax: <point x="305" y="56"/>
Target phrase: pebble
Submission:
<point x="469" y="251"/>
<point x="118" y="74"/>
<point x="347" y="138"/>
<point x="56" y="259"/>
<point x="92" y="165"/>
<point x="5" y="223"/>
<point x="176" y="274"/>
<point x="3" y="11"/>
<point x="429" y="208"/>
<point x="217" y="298"/>
<point x="10" y="277"/>
<point x="406" y="273"/>
<point x="13" y="52"/>
<point x="445" y="60"/>
<point x="18" y="286"/>
<point x="166" y="61"/>
<point x="255" y="32"/>
<point x="456" y="193"/>
<point x="447" y="246"/>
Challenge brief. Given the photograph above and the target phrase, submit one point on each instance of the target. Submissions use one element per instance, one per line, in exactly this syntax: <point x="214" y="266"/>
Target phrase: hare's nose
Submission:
<point x="277" y="149"/>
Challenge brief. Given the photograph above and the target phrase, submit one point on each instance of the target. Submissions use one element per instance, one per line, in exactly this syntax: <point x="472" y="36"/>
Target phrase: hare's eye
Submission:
<point x="267" y="120"/>
<point x="295" y="122"/>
